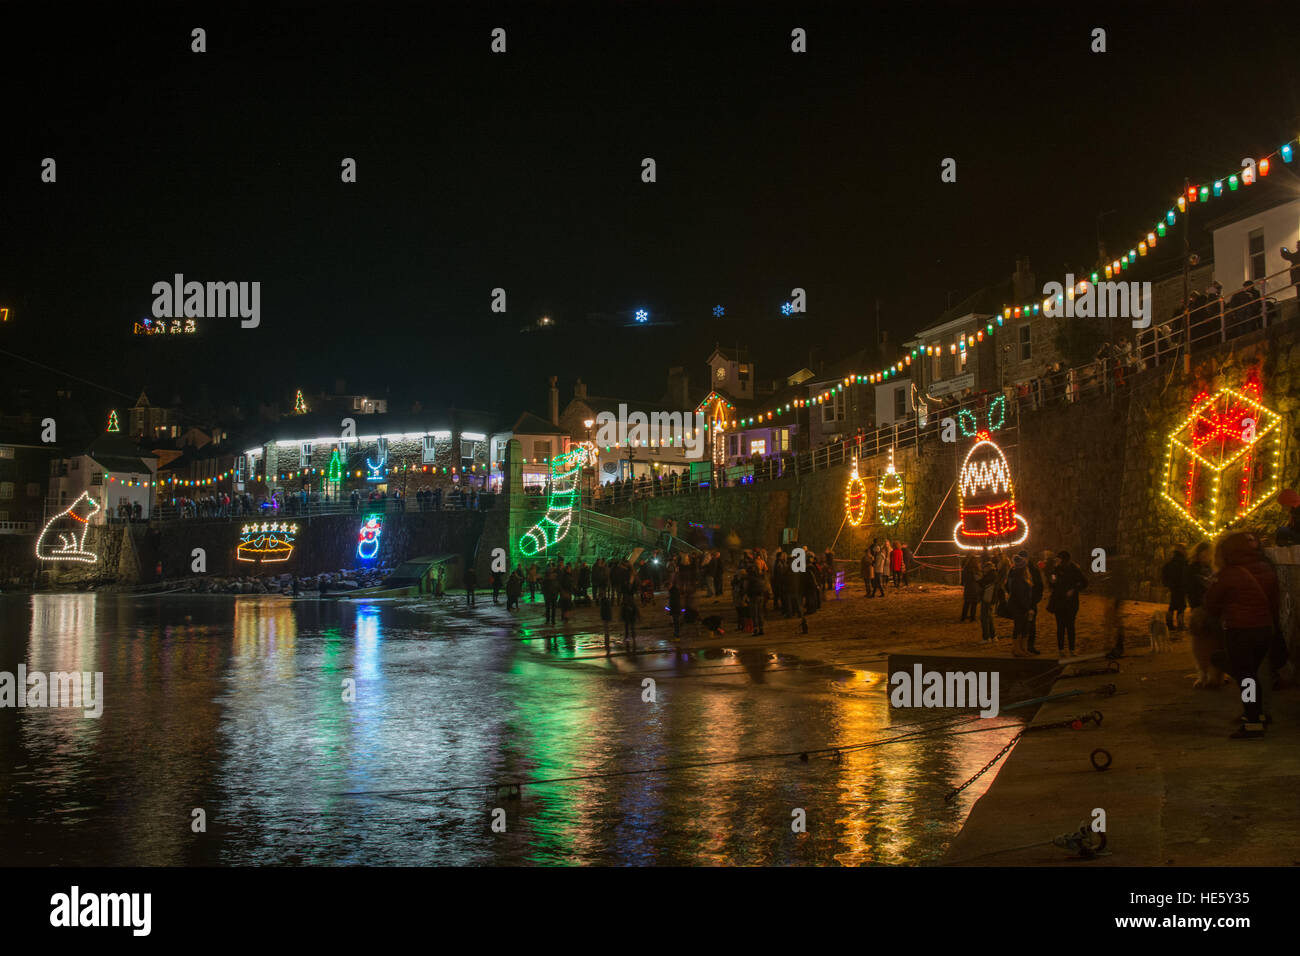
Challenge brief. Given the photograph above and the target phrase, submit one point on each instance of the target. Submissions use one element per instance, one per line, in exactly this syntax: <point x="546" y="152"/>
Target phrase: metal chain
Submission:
<point x="1095" y="717"/>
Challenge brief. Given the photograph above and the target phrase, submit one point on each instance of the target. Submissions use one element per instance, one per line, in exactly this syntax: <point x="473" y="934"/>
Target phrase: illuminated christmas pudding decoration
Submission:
<point x="889" y="495"/>
<point x="986" y="495"/>
<point x="855" y="498"/>
<point x="1224" y="460"/>
<point x="64" y="536"/>
<point x="368" y="537"/>
<point x="566" y="472"/>
<point x="266" y="542"/>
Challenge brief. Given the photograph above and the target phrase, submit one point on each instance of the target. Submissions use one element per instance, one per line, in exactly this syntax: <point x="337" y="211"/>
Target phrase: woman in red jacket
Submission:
<point x="1245" y="595"/>
<point x="896" y="564"/>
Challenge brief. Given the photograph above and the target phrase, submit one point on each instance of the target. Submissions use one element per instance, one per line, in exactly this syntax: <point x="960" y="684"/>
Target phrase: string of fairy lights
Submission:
<point x="1203" y="192"/>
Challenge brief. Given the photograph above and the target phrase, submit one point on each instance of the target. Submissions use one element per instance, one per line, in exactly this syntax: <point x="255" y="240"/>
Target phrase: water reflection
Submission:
<point x="270" y="715"/>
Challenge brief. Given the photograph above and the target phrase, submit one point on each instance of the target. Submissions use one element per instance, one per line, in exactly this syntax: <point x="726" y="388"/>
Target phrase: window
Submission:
<point x="381" y="449"/>
<point x="1255" y="250"/>
<point x="33" y="490"/>
<point x="304" y="456"/>
<point x="430" y="454"/>
<point x="900" y="403"/>
<point x="758" y="446"/>
<point x="721" y="373"/>
<point x="833" y="409"/>
<point x="541" y="449"/>
<point x="6" y="490"/>
<point x="961" y="359"/>
<point x="785" y="439"/>
<point x="96" y="477"/>
<point x="733" y="446"/>
<point x="6" y="451"/>
<point x="1025" y="346"/>
<point x="76" y="464"/>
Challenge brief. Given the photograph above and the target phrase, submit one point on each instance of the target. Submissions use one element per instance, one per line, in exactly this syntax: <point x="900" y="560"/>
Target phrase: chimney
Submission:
<point x="580" y="390"/>
<point x="555" y="402"/>
<point x="678" y="388"/>
<point x="1022" y="281"/>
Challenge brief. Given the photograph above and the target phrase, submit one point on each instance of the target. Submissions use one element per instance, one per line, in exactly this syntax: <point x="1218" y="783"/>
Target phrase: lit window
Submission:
<point x="430" y="449"/>
<point x="758" y="446"/>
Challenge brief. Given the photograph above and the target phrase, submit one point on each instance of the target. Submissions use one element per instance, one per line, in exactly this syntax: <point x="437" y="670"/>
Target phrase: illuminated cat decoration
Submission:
<point x="64" y="536"/>
<point x="985" y="493"/>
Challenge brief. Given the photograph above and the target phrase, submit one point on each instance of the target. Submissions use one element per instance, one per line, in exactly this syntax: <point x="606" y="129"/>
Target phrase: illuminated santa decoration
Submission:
<point x="855" y="498"/>
<point x="985" y="493"/>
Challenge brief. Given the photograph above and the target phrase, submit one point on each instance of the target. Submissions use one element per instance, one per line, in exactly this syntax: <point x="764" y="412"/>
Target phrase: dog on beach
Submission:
<point x="1159" y="634"/>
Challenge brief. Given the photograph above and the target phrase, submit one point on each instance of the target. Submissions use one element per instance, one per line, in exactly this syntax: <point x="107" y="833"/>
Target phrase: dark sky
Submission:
<point x="522" y="171"/>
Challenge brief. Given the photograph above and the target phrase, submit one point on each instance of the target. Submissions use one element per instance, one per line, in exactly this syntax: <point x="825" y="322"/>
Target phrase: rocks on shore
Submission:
<point x="342" y="580"/>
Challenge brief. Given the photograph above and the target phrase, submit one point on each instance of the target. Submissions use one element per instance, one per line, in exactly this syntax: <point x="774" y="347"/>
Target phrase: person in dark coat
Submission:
<point x="514" y="590"/>
<point x="600" y="578"/>
<point x="675" y="607"/>
<point x="471" y="582"/>
<point x="754" y="582"/>
<point x="987" y="583"/>
<point x="606" y="614"/>
<point x="1066" y="581"/>
<point x="498" y="582"/>
<point x="629" y="612"/>
<point x="1174" y="576"/>
<point x="550" y="592"/>
<point x="1245" y="595"/>
<point x="717" y="573"/>
<point x="970" y="589"/>
<point x="1036" y="579"/>
<point x="866" y="568"/>
<point x="1020" y="595"/>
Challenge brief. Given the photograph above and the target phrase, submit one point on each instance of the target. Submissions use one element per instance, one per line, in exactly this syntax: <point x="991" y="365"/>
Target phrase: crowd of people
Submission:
<point x="1001" y="585"/>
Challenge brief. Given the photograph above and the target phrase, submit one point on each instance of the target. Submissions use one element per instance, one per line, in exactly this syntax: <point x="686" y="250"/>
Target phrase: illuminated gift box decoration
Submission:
<point x="1224" y="460"/>
<point x="267" y="542"/>
<point x="986" y="495"/>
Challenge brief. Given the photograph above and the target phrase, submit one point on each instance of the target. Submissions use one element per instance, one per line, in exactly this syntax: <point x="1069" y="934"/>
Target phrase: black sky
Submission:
<point x="522" y="171"/>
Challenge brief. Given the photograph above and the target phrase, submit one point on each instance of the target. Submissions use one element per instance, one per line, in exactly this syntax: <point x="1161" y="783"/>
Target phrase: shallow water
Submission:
<point x="235" y="705"/>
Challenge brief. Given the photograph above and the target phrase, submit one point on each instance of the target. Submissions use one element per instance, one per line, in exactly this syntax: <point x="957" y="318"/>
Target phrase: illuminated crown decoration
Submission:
<point x="986" y="495"/>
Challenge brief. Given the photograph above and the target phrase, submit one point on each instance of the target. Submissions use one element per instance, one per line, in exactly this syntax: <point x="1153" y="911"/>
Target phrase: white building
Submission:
<point x="112" y="471"/>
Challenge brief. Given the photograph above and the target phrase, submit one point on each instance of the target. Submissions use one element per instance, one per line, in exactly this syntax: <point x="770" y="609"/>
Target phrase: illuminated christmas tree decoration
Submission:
<point x="299" y="404"/>
<point x="266" y="543"/>
<point x="113" y="426"/>
<point x="566" y="472"/>
<point x="1230" y="440"/>
<point x="64" y="536"/>
<point x="855" y="498"/>
<point x="889" y="495"/>
<point x="335" y="473"/>
<point x="368" y="537"/>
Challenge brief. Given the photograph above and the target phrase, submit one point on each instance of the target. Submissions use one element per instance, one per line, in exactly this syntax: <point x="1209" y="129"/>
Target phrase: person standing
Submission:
<point x="1020" y="595"/>
<point x="600" y="578"/>
<point x="988" y="585"/>
<point x="867" y="570"/>
<point x="675" y="606"/>
<point x="882" y="568"/>
<point x="532" y="583"/>
<point x="717" y="573"/>
<point x="896" y="563"/>
<point x="757" y="596"/>
<point x="1174" y="576"/>
<point x="606" y="614"/>
<point x="970" y="589"/>
<point x="1066" y="582"/>
<point x="498" y="581"/>
<point x="471" y="582"/>
<point x="1196" y="584"/>
<point x="514" y="589"/>
<point x="1245" y="594"/>
<point x="1036" y="579"/>
<point x="550" y="592"/>
<point x="629" y="613"/>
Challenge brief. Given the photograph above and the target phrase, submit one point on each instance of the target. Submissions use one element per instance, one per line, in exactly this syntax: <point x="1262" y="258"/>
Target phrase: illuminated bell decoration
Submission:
<point x="889" y="495"/>
<point x="855" y="498"/>
<point x="368" y="537"/>
<point x="266" y="543"/>
<point x="985" y="493"/>
<point x="1224" y="460"/>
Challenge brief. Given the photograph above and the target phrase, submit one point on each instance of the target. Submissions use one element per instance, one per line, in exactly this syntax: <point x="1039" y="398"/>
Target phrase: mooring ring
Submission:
<point x="1100" y="759"/>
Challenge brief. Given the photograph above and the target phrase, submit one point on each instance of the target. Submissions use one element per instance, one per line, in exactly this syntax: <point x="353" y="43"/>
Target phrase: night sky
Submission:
<point x="522" y="170"/>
